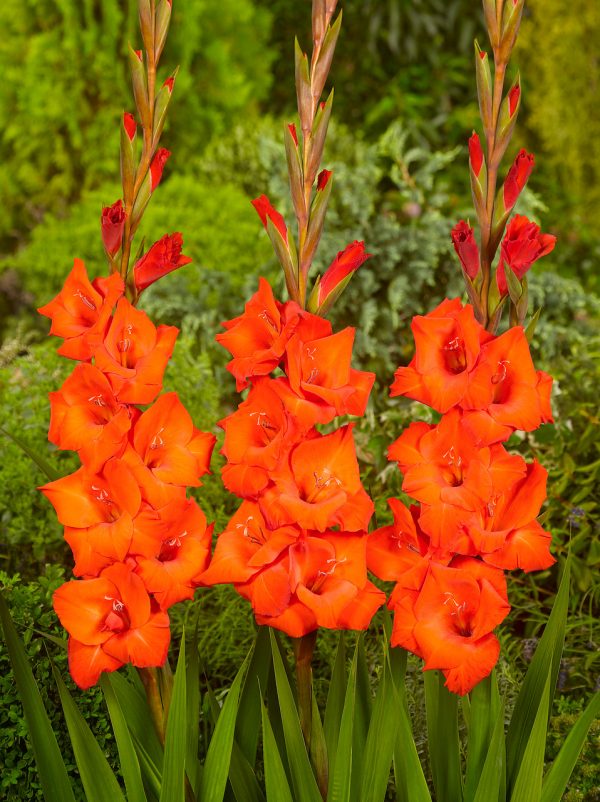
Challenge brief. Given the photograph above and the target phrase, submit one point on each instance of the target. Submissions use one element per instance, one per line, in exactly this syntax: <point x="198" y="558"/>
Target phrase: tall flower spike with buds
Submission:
<point x="139" y="544"/>
<point x="296" y="548"/>
<point x="478" y="504"/>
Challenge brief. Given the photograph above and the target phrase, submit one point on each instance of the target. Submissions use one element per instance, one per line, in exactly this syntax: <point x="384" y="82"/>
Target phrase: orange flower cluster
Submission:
<point x="478" y="503"/>
<point x="296" y="548"/>
<point x="139" y="544"/>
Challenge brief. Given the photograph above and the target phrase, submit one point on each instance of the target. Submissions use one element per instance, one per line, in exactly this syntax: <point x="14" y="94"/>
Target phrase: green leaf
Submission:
<point x="491" y="779"/>
<point x="139" y="720"/>
<point x="50" y="765"/>
<point x="442" y="737"/>
<point x="249" y="716"/>
<point x="381" y="739"/>
<point x="362" y="712"/>
<point x="192" y="687"/>
<point x="276" y="782"/>
<point x="558" y="775"/>
<point x="547" y="656"/>
<point x="99" y="781"/>
<point x="411" y="785"/>
<point x="528" y="783"/>
<point x="340" y="771"/>
<point x="173" y="776"/>
<point x="484" y="704"/>
<point x="336" y="698"/>
<point x="303" y="780"/>
<point x="151" y="774"/>
<point x="45" y="467"/>
<point x="218" y="757"/>
<point x="130" y="766"/>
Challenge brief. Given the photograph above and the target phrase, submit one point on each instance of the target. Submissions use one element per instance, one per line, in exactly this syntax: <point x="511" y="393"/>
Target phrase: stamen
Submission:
<point x="310" y="352"/>
<point x="124" y="345"/>
<point x="97" y="400"/>
<point x="264" y="315"/>
<point x="89" y="303"/>
<point x="501" y="373"/>
<point x="454" y="344"/>
<point x="157" y="441"/>
<point x="312" y="376"/>
<point x="101" y="495"/>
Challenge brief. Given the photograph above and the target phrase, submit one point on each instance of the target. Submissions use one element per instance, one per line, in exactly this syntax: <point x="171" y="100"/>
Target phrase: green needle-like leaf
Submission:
<point x="340" y="767"/>
<point x="173" y="778"/>
<point x="442" y="735"/>
<point x="528" y="784"/>
<point x="491" y="779"/>
<point x="130" y="766"/>
<point x="276" y="781"/>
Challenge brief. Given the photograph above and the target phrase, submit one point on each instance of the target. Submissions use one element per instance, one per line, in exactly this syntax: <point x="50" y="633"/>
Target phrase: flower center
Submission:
<point x="455" y="358"/>
<point x="117" y="619"/>
<point x="459" y="615"/>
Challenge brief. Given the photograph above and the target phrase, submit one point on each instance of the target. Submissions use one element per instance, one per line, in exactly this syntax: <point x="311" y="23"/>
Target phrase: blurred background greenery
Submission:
<point x="405" y="105"/>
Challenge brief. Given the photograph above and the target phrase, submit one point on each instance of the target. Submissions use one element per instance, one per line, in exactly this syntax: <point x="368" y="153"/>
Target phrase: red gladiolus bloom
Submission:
<point x="266" y="212"/>
<point x="320" y="488"/>
<point x="102" y="505"/>
<point x="345" y="263"/>
<point x="517" y="177"/>
<point x="86" y="417"/>
<point x="519" y="398"/>
<point x="505" y="530"/>
<point x="321" y="384"/>
<point x="257" y="436"/>
<point x="449" y="622"/>
<point x="111" y="621"/>
<point x="158" y="165"/>
<point x="169" y="444"/>
<point x="444" y="369"/>
<point x="466" y="248"/>
<point x="162" y="258"/>
<point x="113" y="224"/>
<point x="81" y="310"/>
<point x="257" y="339"/>
<point x="181" y="556"/>
<point x="134" y="354"/>
<point x="523" y="244"/>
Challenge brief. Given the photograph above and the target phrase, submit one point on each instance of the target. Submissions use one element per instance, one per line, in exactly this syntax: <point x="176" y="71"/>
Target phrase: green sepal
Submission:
<point x="315" y="225"/>
<point x="294" y="164"/>
<point x="127" y="156"/>
<point x="286" y="254"/>
<point x="303" y="90"/>
<point x="161" y="106"/>
<point x="506" y="122"/>
<point x="530" y="328"/>
<point x="140" y="86"/>
<point x="318" y="136"/>
<point x="146" y="23"/>
<point x="323" y="65"/>
<point x="161" y="29"/>
<point x="484" y="84"/>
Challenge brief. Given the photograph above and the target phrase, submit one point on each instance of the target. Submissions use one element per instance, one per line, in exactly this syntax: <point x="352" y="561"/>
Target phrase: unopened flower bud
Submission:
<point x="157" y="167"/>
<point x="113" y="223"/>
<point x="339" y="273"/>
<point x="466" y="248"/>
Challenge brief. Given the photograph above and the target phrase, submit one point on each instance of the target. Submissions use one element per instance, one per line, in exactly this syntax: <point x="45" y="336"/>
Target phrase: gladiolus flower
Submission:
<point x="444" y="369"/>
<point x="162" y="258"/>
<point x="266" y="212"/>
<point x="257" y="339"/>
<point x="517" y="177"/>
<point x="321" y="384"/>
<point x="113" y="225"/>
<point x="466" y="248"/>
<point x="320" y="488"/>
<point x="323" y="179"/>
<point x="169" y="444"/>
<point x="345" y="264"/>
<point x="449" y="622"/>
<point x="134" y="354"/>
<point x="81" y="310"/>
<point x="111" y="621"/>
<point x="157" y="166"/>
<point x="523" y="244"/>
<point x="86" y="417"/>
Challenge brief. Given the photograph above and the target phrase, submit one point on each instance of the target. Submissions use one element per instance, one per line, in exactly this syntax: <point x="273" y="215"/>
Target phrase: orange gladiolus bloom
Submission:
<point x="81" y="311"/>
<point x="170" y="445"/>
<point x="321" y="384"/>
<point x="257" y="339"/>
<point x="519" y="396"/>
<point x="449" y="622"/>
<point x="181" y="555"/>
<point x="505" y="530"/>
<point x="444" y="369"/>
<point x="86" y="417"/>
<point x="320" y="487"/>
<point x="101" y="506"/>
<point x="111" y="621"/>
<point x="134" y="354"/>
<point x="257" y="436"/>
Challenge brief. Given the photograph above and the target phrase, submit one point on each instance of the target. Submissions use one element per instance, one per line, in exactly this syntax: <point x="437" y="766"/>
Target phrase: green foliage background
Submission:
<point x="405" y="104"/>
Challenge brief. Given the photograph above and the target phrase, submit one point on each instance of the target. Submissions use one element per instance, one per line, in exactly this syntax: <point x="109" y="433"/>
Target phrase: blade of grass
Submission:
<point x="50" y="765"/>
<point x="130" y="766"/>
<point x="218" y="758"/>
<point x="173" y="776"/>
<point x="99" y="781"/>
<point x="546" y="655"/>
<point x="303" y="779"/>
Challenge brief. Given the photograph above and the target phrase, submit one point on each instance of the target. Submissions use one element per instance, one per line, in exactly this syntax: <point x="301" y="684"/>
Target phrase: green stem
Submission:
<point x="149" y="677"/>
<point x="303" y="651"/>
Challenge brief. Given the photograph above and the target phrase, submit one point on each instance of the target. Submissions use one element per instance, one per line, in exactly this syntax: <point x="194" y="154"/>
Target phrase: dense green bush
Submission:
<point x="65" y="83"/>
